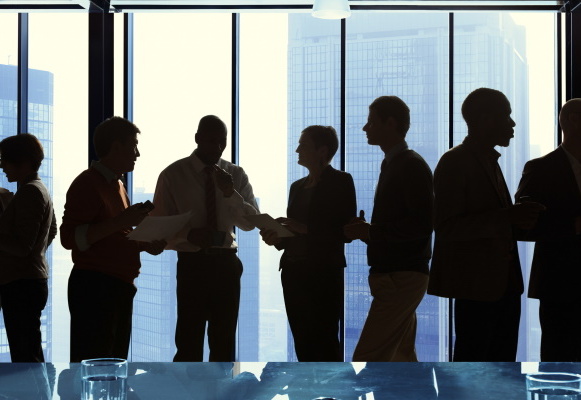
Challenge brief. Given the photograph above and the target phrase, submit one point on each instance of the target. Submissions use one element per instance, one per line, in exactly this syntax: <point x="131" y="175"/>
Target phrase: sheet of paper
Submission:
<point x="265" y="221"/>
<point x="159" y="228"/>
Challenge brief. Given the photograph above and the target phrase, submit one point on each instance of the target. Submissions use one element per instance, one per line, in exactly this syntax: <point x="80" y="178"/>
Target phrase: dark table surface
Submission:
<point x="285" y="381"/>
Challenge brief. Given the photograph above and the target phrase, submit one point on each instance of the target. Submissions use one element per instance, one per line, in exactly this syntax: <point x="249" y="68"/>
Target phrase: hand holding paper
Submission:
<point x="159" y="228"/>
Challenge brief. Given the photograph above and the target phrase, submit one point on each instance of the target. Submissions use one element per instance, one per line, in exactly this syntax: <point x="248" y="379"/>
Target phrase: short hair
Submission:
<point x="114" y="129"/>
<point x="323" y="136"/>
<point x="392" y="106"/>
<point x="481" y="101"/>
<point x="572" y="106"/>
<point x="22" y="148"/>
<point x="211" y="124"/>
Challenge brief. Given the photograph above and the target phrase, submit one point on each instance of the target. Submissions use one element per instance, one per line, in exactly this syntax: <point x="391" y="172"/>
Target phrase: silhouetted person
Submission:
<point x="555" y="181"/>
<point x="27" y="228"/>
<point x="208" y="270"/>
<point x="307" y="381"/>
<point x="475" y="257"/>
<point x="96" y="220"/>
<point x="399" y="237"/>
<point x="312" y="264"/>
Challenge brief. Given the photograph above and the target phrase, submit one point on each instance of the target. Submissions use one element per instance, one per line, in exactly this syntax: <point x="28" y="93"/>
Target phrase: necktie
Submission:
<point x="211" y="216"/>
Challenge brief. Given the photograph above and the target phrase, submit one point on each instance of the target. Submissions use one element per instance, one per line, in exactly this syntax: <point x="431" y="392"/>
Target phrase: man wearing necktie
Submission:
<point x="208" y="269"/>
<point x="475" y="259"/>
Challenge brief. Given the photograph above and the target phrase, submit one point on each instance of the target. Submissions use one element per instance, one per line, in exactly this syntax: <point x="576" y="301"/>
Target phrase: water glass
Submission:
<point x="553" y="386"/>
<point x="104" y="379"/>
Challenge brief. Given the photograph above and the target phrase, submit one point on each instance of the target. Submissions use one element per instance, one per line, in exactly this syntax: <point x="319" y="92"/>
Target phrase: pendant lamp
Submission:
<point x="331" y="9"/>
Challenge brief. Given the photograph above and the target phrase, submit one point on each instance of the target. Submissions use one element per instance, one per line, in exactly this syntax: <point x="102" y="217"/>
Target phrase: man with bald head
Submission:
<point x="555" y="181"/>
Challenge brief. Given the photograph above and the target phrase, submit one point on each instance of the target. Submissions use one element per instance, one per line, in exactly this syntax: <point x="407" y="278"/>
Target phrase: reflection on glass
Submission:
<point x="182" y="71"/>
<point x="513" y="53"/>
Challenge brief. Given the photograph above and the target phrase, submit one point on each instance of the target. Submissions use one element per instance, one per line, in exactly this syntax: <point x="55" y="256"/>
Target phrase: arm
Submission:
<point x="454" y="219"/>
<point x="29" y="209"/>
<point x="415" y="222"/>
<point x="52" y="230"/>
<point x="241" y="202"/>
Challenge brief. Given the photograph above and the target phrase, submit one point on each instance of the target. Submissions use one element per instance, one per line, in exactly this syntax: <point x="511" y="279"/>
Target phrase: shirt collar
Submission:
<point x="474" y="144"/>
<point x="571" y="158"/>
<point x="109" y="175"/>
<point x="198" y="164"/>
<point x="394" y="151"/>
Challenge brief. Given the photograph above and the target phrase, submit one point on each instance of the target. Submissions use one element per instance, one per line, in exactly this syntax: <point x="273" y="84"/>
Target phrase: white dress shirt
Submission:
<point x="181" y="188"/>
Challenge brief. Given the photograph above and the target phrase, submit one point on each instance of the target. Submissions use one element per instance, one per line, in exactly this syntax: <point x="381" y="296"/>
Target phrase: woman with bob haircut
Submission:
<point x="312" y="264"/>
<point x="27" y="227"/>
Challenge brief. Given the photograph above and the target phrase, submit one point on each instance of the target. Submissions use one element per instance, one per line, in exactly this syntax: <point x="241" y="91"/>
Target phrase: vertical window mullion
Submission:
<point x="22" y="103"/>
<point x="450" y="145"/>
<point x="235" y="131"/>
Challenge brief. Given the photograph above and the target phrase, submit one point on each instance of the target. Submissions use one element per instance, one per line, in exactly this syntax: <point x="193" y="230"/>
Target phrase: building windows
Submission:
<point x="288" y="79"/>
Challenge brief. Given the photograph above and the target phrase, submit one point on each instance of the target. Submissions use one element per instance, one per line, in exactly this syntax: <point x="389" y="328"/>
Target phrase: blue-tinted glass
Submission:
<point x="405" y="55"/>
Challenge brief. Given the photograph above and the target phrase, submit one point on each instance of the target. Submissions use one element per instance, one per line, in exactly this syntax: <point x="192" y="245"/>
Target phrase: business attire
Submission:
<point x="398" y="252"/>
<point x="27" y="227"/>
<point x="555" y="181"/>
<point x="100" y="287"/>
<point x="208" y="279"/>
<point x="475" y="257"/>
<point x="312" y="264"/>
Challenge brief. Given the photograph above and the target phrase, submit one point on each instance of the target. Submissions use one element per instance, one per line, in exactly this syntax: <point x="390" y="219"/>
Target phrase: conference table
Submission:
<point x="285" y="381"/>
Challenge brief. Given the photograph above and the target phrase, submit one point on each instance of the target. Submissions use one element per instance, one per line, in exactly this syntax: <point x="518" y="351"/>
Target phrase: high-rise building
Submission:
<point x="406" y="56"/>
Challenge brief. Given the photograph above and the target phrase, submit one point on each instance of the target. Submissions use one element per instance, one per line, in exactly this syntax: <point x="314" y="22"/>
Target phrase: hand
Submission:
<point x="201" y="237"/>
<point x="224" y="181"/>
<point x="356" y="229"/>
<point x="293" y="225"/>
<point x="133" y="215"/>
<point x="270" y="237"/>
<point x="154" y="248"/>
<point x="525" y="215"/>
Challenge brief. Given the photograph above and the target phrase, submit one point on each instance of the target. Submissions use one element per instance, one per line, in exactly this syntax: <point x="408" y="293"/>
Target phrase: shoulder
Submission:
<point x="335" y="174"/>
<point x="89" y="178"/>
<point x="175" y="166"/>
<point x="550" y="158"/>
<point x="410" y="162"/>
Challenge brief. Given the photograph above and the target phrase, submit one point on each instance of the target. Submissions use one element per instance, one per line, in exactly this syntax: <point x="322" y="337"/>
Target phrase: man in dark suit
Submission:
<point x="399" y="237"/>
<point x="475" y="257"/>
<point x="555" y="181"/>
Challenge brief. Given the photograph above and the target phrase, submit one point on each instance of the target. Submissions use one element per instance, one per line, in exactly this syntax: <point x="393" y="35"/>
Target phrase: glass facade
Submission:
<point x="288" y="79"/>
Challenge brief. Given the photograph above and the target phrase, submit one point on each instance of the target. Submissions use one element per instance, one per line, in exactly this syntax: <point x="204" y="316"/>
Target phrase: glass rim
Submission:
<point x="559" y="377"/>
<point x="104" y="361"/>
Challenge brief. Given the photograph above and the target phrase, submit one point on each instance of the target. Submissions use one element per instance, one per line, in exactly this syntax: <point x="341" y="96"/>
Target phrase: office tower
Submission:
<point x="408" y="56"/>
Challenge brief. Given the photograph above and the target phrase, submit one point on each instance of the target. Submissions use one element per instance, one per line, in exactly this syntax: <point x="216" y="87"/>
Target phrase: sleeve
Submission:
<point x="242" y="201"/>
<point x="82" y="207"/>
<point x="52" y="230"/>
<point x="454" y="220"/>
<point x="29" y="210"/>
<point x="557" y="221"/>
<point x="165" y="205"/>
<point x="416" y="221"/>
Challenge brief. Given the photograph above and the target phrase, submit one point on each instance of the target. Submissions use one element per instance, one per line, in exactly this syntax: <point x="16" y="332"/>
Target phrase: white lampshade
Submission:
<point x="331" y="9"/>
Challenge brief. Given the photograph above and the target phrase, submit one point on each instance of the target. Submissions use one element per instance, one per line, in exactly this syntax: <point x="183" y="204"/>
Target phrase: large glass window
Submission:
<point x="513" y="53"/>
<point x="57" y="115"/>
<point x="405" y="55"/>
<point x="296" y="83"/>
<point x="182" y="72"/>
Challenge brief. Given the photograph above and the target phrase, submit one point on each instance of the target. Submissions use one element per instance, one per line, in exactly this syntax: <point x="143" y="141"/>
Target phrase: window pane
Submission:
<point x="8" y="115"/>
<point x="57" y="115"/>
<point x="405" y="55"/>
<point x="296" y="83"/>
<point x="513" y="53"/>
<point x="182" y="72"/>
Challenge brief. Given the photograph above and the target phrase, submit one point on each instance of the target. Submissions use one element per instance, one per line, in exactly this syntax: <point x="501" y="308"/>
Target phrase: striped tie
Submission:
<point x="211" y="216"/>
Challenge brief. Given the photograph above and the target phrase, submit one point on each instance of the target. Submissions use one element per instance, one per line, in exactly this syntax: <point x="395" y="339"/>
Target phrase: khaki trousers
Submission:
<point x="389" y="333"/>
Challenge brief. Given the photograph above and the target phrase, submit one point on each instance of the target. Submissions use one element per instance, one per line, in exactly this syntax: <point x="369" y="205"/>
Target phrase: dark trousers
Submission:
<point x="22" y="304"/>
<point x="486" y="331"/>
<point x="208" y="292"/>
<point x="101" y="308"/>
<point x="313" y="299"/>
<point x="560" y="326"/>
